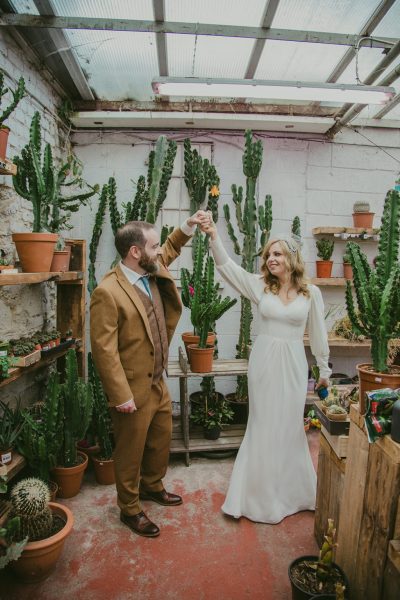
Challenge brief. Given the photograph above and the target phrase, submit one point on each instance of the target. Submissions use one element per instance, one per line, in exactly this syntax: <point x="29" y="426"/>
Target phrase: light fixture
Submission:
<point x="272" y="90"/>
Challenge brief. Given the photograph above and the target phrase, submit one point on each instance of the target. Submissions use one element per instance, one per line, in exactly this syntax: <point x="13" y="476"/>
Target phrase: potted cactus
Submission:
<point x="40" y="182"/>
<point x="76" y="399"/>
<point x="103" y="462"/>
<point x="318" y="576"/>
<point x="205" y="303"/>
<point x="347" y="269"/>
<point x="10" y="428"/>
<point x="362" y="217"/>
<point x="17" y="94"/>
<point x="377" y="299"/>
<point x="45" y="524"/>
<point x="324" y="252"/>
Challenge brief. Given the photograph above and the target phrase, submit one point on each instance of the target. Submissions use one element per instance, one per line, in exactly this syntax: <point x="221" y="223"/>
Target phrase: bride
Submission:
<point x="273" y="475"/>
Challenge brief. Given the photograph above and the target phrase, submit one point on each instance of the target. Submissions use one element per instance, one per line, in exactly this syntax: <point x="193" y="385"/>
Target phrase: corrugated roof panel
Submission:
<point x="368" y="59"/>
<point x="25" y="6"/>
<point x="340" y="16"/>
<point x="298" y="61"/>
<point x="116" y="9"/>
<point x="119" y="65"/>
<point x="212" y="56"/>
<point x="390" y="24"/>
<point x="223" y="12"/>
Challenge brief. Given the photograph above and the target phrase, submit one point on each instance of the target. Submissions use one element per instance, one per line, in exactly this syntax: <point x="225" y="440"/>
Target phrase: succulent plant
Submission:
<point x="361" y="207"/>
<point x="29" y="501"/>
<point x="324" y="248"/>
<point x="335" y="409"/>
<point x="17" y="94"/>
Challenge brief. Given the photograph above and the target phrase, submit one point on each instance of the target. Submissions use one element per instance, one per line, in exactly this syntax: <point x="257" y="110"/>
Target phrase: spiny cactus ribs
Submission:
<point x="29" y="501"/>
<point x="360" y="207"/>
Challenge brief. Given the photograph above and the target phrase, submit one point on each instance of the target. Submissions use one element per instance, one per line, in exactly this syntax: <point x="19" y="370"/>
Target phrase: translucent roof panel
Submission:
<point x="116" y="9"/>
<point x="390" y="24"/>
<point x="223" y="12"/>
<point x="367" y="60"/>
<point x="210" y="56"/>
<point x="118" y="65"/>
<point x="341" y="16"/>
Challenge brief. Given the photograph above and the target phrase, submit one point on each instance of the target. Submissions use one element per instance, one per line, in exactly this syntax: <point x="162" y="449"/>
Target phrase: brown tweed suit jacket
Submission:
<point x="122" y="346"/>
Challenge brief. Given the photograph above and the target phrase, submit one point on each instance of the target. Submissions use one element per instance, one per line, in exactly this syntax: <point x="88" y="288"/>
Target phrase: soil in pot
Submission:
<point x="304" y="582"/>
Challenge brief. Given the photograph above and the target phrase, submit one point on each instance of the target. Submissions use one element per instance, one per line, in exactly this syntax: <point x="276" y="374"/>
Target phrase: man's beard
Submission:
<point x="147" y="264"/>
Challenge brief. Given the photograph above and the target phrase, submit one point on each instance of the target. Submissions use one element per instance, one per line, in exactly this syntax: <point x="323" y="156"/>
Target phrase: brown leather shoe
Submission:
<point x="163" y="497"/>
<point x="140" y="524"/>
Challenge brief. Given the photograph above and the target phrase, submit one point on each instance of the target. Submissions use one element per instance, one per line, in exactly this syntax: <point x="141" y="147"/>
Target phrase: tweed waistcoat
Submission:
<point x="155" y="315"/>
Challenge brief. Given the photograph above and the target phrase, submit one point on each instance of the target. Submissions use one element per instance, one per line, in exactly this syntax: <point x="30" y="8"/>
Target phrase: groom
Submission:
<point x="133" y="315"/>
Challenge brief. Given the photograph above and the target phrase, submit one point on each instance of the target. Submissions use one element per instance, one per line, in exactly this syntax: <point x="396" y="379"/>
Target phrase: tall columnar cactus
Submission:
<point x="201" y="294"/>
<point x="96" y="234"/>
<point x="17" y="95"/>
<point x="29" y="501"/>
<point x="40" y="182"/>
<point x="101" y="418"/>
<point x="250" y="222"/>
<point x="41" y="439"/>
<point x="77" y="399"/>
<point x="377" y="290"/>
<point x="296" y="227"/>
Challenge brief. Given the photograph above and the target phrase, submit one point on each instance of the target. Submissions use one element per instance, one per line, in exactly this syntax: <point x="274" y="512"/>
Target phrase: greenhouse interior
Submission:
<point x="199" y="299"/>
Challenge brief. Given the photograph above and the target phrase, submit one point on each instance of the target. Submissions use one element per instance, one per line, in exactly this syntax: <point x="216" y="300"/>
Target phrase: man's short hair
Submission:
<point x="131" y="234"/>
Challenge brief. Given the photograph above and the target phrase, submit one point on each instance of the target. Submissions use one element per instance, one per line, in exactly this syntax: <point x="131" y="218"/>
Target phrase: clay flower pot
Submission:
<point x="35" y="250"/>
<point x="201" y="359"/>
<point x="324" y="268"/>
<point x="363" y="219"/>
<point x="4" y="133"/>
<point x="104" y="470"/>
<point x="39" y="558"/>
<point x="69" y="479"/>
<point x="189" y="338"/>
<point x="347" y="271"/>
<point x="60" y="260"/>
<point x="372" y="380"/>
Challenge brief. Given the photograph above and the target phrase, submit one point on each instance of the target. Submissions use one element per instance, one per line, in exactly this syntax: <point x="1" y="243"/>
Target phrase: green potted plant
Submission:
<point x="46" y="525"/>
<point x="212" y="412"/>
<point x="4" y="366"/>
<point x="324" y="252"/>
<point x="347" y="270"/>
<point x="40" y="182"/>
<point x="17" y="95"/>
<point x="23" y="352"/>
<point x="377" y="299"/>
<point x="10" y="427"/>
<point x="317" y="575"/>
<point x="362" y="217"/>
<point x="205" y="303"/>
<point x="6" y="264"/>
<point x="76" y="399"/>
<point x="103" y="462"/>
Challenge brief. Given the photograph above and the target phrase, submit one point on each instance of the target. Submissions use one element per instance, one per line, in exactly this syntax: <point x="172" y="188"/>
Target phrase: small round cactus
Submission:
<point x="361" y="207"/>
<point x="29" y="501"/>
<point x="335" y="409"/>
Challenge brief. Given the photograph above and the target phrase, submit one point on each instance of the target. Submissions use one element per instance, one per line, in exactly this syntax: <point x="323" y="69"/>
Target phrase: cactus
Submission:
<point x="296" y="227"/>
<point x="41" y="439"/>
<point x="205" y="303"/>
<point x="360" y="207"/>
<point x="77" y="401"/>
<point x="38" y="181"/>
<point x="96" y="234"/>
<point x="29" y="501"/>
<point x="324" y="248"/>
<point x="17" y="94"/>
<point x="101" y="417"/>
<point x="248" y="225"/>
<point x="377" y="289"/>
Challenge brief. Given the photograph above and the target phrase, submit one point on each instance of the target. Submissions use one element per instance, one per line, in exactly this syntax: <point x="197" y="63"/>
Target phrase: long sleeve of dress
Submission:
<point x="317" y="332"/>
<point x="247" y="284"/>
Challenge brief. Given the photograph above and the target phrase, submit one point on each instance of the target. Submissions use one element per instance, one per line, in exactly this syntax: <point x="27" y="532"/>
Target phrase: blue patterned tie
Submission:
<point x="145" y="280"/>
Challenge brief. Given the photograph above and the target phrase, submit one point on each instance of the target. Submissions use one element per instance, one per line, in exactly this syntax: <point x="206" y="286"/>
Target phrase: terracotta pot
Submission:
<point x="60" y="260"/>
<point x="363" y="219"/>
<point x="6" y="267"/>
<point x="39" y="558"/>
<point x="372" y="380"/>
<point x="5" y="456"/>
<point x="324" y="268"/>
<point x="201" y="359"/>
<point x="35" y="250"/>
<point x="297" y="592"/>
<point x="347" y="271"/>
<point x="69" y="479"/>
<point x="104" y="470"/>
<point x="189" y="338"/>
<point x="4" y="132"/>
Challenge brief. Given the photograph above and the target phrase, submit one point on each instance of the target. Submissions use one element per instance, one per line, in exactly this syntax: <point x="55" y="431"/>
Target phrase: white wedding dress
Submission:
<point x="273" y="475"/>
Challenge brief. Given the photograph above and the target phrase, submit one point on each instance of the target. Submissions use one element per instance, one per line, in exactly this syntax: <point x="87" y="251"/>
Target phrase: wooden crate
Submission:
<point x="338" y="443"/>
<point x="334" y="427"/>
<point x="369" y="516"/>
<point x="330" y="482"/>
<point x="26" y="361"/>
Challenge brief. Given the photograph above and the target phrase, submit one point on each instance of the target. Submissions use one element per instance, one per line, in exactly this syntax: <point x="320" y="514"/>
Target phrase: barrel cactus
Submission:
<point x="361" y="207"/>
<point x="30" y="502"/>
<point x="375" y="313"/>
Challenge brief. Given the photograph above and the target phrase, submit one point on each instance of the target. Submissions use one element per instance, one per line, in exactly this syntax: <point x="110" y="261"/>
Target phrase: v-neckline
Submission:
<point x="289" y="303"/>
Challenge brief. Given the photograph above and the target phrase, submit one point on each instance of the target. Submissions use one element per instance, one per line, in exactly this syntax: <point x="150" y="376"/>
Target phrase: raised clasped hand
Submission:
<point x="199" y="218"/>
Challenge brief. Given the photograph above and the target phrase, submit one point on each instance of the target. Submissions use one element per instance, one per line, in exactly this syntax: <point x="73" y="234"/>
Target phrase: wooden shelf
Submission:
<point x="7" y="167"/>
<point x="18" y="462"/>
<point x="329" y="281"/>
<point x="230" y="439"/>
<point x="221" y="367"/>
<point x="29" y="278"/>
<point x="339" y="342"/>
<point x="347" y="232"/>
<point x="18" y="372"/>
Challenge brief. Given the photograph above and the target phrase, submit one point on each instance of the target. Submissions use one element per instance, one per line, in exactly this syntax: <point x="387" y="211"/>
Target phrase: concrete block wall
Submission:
<point x="315" y="179"/>
<point x="24" y="309"/>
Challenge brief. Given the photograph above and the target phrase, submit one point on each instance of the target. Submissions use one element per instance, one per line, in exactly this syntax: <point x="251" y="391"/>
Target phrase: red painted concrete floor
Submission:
<point x="200" y="554"/>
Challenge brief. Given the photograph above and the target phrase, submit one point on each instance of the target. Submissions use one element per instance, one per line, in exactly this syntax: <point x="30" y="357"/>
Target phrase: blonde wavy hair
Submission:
<point x="294" y="264"/>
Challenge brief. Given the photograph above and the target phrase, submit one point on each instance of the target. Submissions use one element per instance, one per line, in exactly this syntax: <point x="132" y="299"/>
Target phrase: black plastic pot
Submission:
<point x="299" y="594"/>
<point x="212" y="434"/>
